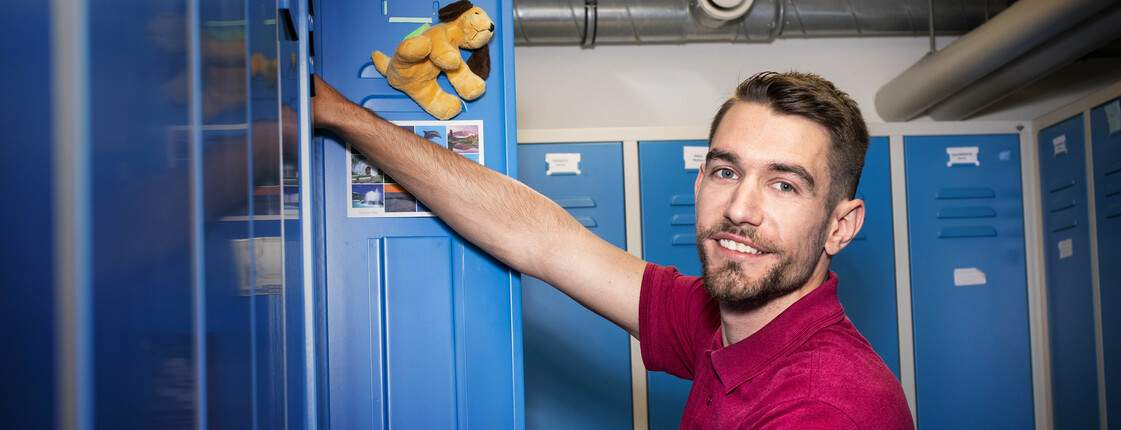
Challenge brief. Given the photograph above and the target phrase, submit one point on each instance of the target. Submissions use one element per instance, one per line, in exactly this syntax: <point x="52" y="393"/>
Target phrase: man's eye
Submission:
<point x="725" y="174"/>
<point x="783" y="186"/>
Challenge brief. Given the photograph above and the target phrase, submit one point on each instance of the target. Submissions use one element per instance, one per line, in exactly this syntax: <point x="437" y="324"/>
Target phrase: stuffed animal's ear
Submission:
<point x="479" y="61"/>
<point x="452" y="11"/>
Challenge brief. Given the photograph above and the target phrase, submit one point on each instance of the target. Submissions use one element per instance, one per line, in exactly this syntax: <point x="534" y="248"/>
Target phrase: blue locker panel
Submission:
<point x="866" y="267"/>
<point x="27" y="249"/>
<point x="669" y="238"/>
<point x="1070" y="296"/>
<point x="1106" y="142"/>
<point x="369" y="329"/>
<point x="577" y="364"/>
<point x="140" y="187"/>
<point x="968" y="282"/>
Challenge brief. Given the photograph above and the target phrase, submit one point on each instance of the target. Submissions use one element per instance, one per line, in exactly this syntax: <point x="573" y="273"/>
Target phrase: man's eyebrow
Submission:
<point x="797" y="170"/>
<point x="722" y="155"/>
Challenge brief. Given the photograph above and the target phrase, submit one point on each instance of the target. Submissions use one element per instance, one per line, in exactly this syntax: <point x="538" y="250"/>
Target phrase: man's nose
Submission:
<point x="745" y="206"/>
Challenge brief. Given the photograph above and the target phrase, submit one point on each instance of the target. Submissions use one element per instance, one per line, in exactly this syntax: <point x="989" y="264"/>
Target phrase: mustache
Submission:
<point x="749" y="232"/>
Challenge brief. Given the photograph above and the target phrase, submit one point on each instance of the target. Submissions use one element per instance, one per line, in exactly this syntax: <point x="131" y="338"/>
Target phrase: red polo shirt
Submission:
<point x="806" y="369"/>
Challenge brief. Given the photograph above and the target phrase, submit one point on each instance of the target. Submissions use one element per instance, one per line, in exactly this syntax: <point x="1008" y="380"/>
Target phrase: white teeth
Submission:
<point x="736" y="246"/>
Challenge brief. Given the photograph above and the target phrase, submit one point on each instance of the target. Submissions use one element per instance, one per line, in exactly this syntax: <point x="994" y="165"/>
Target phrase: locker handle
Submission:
<point x="965" y="193"/>
<point x="684" y="239"/>
<point x="586" y="221"/>
<point x="682" y="200"/>
<point x="1064" y="204"/>
<point x="576" y="202"/>
<point x="1062" y="185"/>
<point x="958" y="232"/>
<point x="970" y="212"/>
<point x="682" y="219"/>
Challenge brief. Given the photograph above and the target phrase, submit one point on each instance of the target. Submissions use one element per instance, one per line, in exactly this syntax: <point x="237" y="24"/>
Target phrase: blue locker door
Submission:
<point x="669" y="238"/>
<point x="1105" y="135"/>
<point x="423" y="329"/>
<point x="1070" y="296"/>
<point x="27" y="180"/>
<point x="968" y="282"/>
<point x="577" y="364"/>
<point x="866" y="267"/>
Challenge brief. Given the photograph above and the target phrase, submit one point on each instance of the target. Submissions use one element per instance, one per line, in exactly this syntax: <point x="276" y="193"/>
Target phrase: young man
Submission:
<point x="762" y="335"/>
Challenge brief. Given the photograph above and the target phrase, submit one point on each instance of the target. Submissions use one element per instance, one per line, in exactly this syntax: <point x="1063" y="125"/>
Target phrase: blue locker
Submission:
<point x="168" y="335"/>
<point x="27" y="180"/>
<point x="1106" y="142"/>
<point x="1070" y="296"/>
<point x="393" y="281"/>
<point x="968" y="282"/>
<point x="866" y="267"/>
<point x="669" y="238"/>
<point x="577" y="364"/>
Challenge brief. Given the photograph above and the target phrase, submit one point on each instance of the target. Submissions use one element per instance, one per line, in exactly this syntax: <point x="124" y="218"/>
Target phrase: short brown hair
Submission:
<point x="810" y="96"/>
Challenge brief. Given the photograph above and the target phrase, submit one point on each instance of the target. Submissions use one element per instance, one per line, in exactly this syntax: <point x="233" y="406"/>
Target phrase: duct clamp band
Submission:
<point x="589" y="38"/>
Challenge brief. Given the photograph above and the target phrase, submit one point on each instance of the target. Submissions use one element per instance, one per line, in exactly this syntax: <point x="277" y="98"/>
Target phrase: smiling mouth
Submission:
<point x="739" y="247"/>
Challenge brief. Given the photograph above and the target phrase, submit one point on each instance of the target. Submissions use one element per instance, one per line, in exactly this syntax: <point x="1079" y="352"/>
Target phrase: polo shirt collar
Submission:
<point x="739" y="362"/>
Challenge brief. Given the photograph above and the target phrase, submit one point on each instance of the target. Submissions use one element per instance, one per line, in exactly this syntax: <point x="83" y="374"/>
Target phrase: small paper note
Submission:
<point x="968" y="276"/>
<point x="963" y="155"/>
<point x="1113" y="115"/>
<point x="1066" y="248"/>
<point x="563" y="164"/>
<point x="1060" y="144"/>
<point x="694" y="156"/>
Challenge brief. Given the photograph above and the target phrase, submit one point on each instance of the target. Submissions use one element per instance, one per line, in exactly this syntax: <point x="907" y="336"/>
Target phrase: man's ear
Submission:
<point x="697" y="183"/>
<point x="845" y="223"/>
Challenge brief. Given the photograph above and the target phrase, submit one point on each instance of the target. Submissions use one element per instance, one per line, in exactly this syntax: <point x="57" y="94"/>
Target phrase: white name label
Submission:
<point x="694" y="156"/>
<point x="1060" y="144"/>
<point x="563" y="164"/>
<point x="963" y="155"/>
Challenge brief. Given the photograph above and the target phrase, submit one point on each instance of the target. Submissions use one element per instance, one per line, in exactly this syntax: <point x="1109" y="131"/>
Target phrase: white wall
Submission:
<point x="682" y="85"/>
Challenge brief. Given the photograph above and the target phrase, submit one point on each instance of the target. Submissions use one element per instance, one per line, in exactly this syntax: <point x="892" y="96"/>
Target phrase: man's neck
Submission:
<point x="737" y="324"/>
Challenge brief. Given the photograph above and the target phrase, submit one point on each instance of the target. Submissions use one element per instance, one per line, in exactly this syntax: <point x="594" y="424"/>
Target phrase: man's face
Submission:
<point x="761" y="195"/>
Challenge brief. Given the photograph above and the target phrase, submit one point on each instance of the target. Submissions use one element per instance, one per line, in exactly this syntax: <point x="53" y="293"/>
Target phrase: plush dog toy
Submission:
<point x="418" y="60"/>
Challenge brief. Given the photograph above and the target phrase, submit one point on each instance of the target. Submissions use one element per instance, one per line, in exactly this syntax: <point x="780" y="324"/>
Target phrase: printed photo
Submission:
<point x="463" y="139"/>
<point x="362" y="172"/>
<point x="438" y="134"/>
<point x="367" y="196"/>
<point x="399" y="200"/>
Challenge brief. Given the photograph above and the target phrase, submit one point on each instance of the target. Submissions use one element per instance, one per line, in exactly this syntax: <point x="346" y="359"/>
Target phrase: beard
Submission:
<point x="729" y="284"/>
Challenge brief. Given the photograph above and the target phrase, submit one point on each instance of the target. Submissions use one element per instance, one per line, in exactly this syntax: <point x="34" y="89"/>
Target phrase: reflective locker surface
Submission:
<point x="176" y="335"/>
<point x="1070" y="296"/>
<point x="577" y="363"/>
<point x="393" y="280"/>
<point x="968" y="281"/>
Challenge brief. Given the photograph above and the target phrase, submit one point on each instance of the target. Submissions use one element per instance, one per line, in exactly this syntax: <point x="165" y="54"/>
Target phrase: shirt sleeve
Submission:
<point x="805" y="414"/>
<point x="677" y="319"/>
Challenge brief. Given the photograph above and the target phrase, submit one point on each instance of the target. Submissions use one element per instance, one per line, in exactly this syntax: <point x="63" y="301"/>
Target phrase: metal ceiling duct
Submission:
<point x="1101" y="29"/>
<point x="1022" y="28"/>
<point x="589" y="22"/>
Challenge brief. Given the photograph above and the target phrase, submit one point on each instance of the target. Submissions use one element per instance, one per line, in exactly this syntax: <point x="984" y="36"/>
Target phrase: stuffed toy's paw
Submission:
<point x="419" y="60"/>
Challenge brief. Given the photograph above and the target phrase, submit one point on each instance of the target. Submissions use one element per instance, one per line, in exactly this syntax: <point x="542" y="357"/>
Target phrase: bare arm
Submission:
<point x="512" y="222"/>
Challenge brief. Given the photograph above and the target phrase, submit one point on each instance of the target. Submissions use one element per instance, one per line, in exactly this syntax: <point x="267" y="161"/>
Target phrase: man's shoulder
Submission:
<point x="847" y="374"/>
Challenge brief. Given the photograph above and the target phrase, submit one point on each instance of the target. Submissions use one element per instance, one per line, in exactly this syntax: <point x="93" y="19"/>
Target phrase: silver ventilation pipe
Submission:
<point x="590" y="22"/>
<point x="1021" y="29"/>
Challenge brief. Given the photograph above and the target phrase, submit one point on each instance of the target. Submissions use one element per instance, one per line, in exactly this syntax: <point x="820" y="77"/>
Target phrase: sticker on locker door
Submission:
<point x="694" y="156"/>
<point x="963" y="155"/>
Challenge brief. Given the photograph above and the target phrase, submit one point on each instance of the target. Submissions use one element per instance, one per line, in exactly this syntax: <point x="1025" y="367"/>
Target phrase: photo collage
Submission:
<point x="375" y="194"/>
